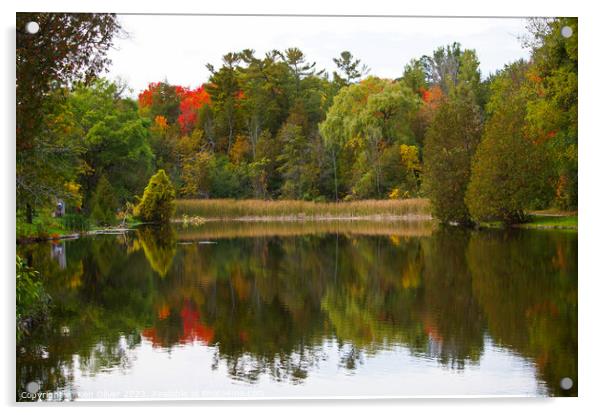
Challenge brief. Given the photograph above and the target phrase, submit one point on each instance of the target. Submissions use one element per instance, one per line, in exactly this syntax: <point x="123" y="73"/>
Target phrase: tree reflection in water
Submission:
<point x="268" y="302"/>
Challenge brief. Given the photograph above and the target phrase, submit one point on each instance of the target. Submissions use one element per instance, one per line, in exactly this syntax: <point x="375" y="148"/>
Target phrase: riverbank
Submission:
<point x="544" y="220"/>
<point x="549" y="221"/>
<point x="194" y="212"/>
<point x="47" y="228"/>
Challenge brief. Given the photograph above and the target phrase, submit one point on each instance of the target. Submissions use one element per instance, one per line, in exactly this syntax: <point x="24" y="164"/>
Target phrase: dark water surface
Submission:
<point x="304" y="309"/>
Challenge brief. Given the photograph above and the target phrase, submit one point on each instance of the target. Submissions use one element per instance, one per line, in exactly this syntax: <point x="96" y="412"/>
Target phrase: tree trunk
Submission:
<point x="334" y="162"/>
<point x="28" y="213"/>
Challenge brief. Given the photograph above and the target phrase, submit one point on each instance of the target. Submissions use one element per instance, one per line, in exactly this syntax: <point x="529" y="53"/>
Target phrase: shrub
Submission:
<point x="157" y="203"/>
<point x="32" y="300"/>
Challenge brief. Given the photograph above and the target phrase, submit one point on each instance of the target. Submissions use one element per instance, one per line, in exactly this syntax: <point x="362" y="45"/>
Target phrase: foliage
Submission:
<point x="68" y="47"/>
<point x="450" y="143"/>
<point x="32" y="300"/>
<point x="114" y="139"/>
<point x="277" y="127"/>
<point x="364" y="120"/>
<point x="157" y="203"/>
<point x="76" y="222"/>
<point x="104" y="203"/>
<point x="453" y="133"/>
<point x="510" y="172"/>
<point x="350" y="68"/>
<point x="552" y="108"/>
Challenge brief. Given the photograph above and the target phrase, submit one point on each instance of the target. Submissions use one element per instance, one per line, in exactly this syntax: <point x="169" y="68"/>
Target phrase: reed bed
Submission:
<point x="238" y="229"/>
<point x="252" y="209"/>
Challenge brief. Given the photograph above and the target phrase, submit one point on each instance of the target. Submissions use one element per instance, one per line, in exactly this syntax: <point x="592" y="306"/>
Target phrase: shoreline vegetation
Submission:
<point x="274" y="137"/>
<point x="198" y="212"/>
<point x="290" y="210"/>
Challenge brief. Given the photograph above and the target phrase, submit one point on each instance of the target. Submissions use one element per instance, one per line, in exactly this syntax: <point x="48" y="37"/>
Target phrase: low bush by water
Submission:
<point x="32" y="299"/>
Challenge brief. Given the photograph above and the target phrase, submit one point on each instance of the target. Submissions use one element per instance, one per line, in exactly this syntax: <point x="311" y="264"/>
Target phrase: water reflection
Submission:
<point x="274" y="304"/>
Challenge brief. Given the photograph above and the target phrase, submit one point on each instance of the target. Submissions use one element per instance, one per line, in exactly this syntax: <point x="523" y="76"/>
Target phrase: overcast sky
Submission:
<point x="177" y="48"/>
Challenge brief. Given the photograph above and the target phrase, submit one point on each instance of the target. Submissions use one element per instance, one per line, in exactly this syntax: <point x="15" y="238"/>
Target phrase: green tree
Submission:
<point x="450" y="143"/>
<point x="196" y="176"/>
<point x="224" y="88"/>
<point x="552" y="108"/>
<point x="414" y="75"/>
<point x="265" y="103"/>
<point x="157" y="203"/>
<point x="351" y="69"/>
<point x="299" y="67"/>
<point x="364" y="120"/>
<point x="510" y="172"/>
<point x="32" y="301"/>
<point x="67" y="48"/>
<point x="299" y="167"/>
<point x="104" y="203"/>
<point x="113" y="139"/>
<point x="161" y="99"/>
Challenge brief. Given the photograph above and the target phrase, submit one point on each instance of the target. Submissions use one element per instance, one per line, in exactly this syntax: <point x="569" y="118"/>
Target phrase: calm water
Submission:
<point x="301" y="309"/>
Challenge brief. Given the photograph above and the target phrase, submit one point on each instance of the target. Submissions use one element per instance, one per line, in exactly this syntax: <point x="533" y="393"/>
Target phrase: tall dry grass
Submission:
<point x="299" y="210"/>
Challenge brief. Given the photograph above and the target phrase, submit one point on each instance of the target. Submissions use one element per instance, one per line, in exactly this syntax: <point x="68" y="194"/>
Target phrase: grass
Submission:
<point x="298" y="210"/>
<point x="553" y="222"/>
<point x="45" y="226"/>
<point x="543" y="220"/>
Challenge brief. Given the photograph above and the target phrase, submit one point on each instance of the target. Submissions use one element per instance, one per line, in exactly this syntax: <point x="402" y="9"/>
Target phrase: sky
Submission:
<point x="177" y="48"/>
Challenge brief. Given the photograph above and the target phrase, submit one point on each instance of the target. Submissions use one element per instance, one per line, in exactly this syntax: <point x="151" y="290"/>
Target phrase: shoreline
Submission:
<point x="299" y="218"/>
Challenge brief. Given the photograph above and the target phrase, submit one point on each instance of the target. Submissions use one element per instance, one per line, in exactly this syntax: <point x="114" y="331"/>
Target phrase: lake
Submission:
<point x="304" y="309"/>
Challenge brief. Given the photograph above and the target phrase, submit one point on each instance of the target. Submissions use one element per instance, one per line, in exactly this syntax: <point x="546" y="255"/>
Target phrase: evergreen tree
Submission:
<point x="351" y="69"/>
<point x="450" y="143"/>
<point x="157" y="203"/>
<point x="510" y="172"/>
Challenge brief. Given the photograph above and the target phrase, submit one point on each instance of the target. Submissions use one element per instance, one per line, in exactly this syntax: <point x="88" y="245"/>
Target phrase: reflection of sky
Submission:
<point x="177" y="48"/>
<point x="185" y="372"/>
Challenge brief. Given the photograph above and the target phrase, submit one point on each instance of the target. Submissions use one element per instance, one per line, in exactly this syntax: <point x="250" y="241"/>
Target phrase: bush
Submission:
<point x="157" y="204"/>
<point x="32" y="300"/>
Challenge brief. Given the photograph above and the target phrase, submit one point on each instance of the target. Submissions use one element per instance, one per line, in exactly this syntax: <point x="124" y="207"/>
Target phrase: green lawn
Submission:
<point x="554" y="222"/>
<point x="567" y="221"/>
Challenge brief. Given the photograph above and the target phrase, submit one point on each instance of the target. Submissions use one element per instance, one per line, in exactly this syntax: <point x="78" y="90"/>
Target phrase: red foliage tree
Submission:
<point x="145" y="98"/>
<point x="191" y="102"/>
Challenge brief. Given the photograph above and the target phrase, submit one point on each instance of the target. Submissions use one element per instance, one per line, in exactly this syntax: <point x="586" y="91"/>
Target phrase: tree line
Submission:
<point x="277" y="127"/>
